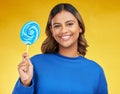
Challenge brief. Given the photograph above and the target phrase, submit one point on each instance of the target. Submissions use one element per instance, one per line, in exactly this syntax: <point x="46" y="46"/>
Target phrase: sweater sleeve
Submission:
<point x="102" y="88"/>
<point x="21" y="89"/>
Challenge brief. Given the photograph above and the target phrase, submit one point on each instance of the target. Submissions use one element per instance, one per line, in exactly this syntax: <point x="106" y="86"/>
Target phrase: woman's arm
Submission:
<point x="25" y="84"/>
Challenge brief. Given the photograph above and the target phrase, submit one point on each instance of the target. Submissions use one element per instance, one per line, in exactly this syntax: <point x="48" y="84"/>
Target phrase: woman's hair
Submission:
<point x="50" y="45"/>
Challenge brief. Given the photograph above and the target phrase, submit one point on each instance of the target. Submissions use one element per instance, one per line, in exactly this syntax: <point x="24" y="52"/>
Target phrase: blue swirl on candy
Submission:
<point x="30" y="32"/>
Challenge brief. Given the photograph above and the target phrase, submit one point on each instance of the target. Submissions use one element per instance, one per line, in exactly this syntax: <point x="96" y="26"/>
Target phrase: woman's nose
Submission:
<point x="64" y="29"/>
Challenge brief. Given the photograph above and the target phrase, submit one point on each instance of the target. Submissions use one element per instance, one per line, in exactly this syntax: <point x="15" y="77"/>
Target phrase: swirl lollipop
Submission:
<point x="30" y="33"/>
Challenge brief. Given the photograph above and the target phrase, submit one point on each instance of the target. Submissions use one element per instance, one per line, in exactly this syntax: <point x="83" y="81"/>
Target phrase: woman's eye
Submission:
<point x="70" y="24"/>
<point x="56" y="26"/>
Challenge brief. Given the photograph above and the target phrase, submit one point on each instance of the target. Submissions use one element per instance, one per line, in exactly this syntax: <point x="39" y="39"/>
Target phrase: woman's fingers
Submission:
<point x="25" y="55"/>
<point x="25" y="69"/>
<point x="24" y="65"/>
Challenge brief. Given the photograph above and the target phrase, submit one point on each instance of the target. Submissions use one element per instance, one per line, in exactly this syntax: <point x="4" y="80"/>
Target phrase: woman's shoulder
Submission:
<point x="92" y="64"/>
<point x="39" y="56"/>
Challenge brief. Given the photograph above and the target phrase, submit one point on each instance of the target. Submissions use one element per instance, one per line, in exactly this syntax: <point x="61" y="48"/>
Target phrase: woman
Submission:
<point x="62" y="68"/>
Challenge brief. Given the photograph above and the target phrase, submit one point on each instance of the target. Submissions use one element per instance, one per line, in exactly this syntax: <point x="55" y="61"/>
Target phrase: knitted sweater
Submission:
<point x="58" y="74"/>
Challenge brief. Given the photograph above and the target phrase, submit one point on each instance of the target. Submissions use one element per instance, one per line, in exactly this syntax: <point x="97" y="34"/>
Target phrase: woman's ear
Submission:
<point x="50" y="29"/>
<point x="80" y="31"/>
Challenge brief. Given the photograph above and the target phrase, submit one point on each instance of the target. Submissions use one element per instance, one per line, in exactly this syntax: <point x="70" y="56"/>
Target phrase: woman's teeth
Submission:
<point x="65" y="37"/>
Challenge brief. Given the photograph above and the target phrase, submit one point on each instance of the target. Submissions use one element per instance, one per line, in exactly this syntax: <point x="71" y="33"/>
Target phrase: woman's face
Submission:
<point x="65" y="29"/>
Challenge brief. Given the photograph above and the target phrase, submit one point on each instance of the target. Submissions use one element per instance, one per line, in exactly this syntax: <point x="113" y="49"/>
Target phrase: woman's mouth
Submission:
<point x="65" y="37"/>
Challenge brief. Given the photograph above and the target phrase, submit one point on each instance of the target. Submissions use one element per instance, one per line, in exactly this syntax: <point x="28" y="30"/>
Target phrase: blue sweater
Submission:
<point x="57" y="74"/>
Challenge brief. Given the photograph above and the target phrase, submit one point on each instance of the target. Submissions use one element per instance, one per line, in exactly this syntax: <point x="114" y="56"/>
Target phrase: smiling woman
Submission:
<point x="65" y="30"/>
<point x="65" y="21"/>
<point x="62" y="68"/>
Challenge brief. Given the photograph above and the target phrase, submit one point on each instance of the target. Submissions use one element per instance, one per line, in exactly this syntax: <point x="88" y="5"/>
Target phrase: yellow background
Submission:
<point x="102" y="20"/>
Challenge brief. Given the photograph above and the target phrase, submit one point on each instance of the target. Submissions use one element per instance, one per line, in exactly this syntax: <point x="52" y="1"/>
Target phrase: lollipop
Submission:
<point x="30" y="32"/>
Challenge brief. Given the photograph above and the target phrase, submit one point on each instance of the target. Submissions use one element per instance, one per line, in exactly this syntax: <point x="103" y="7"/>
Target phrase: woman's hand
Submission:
<point x="25" y="69"/>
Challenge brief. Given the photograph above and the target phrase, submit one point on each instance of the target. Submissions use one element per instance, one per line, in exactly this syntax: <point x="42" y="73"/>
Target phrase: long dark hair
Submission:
<point x="50" y="45"/>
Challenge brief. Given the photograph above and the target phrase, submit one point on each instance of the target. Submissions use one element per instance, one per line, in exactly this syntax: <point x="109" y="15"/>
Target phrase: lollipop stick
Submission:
<point x="27" y="48"/>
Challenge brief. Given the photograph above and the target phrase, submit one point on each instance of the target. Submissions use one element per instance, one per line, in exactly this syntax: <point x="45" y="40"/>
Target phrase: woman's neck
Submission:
<point x="69" y="52"/>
